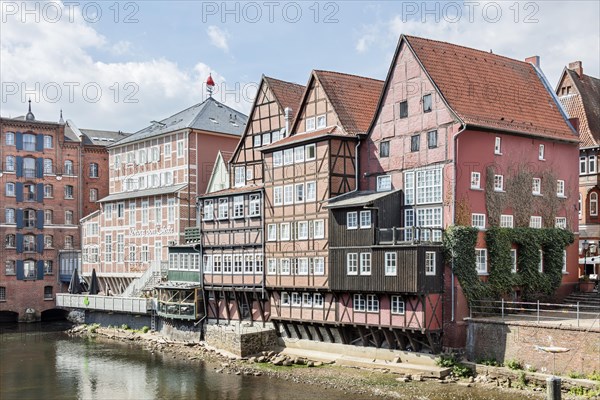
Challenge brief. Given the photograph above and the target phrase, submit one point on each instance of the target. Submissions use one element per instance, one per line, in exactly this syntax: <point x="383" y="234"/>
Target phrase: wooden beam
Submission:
<point x="307" y="330"/>
<point x="376" y="337"/>
<point x="389" y="338"/>
<point x="286" y="329"/>
<point x="413" y="342"/>
<point x="328" y="331"/>
<point x="400" y="339"/>
<point x="318" y="331"/>
<point x="295" y="326"/>
<point x="361" y="331"/>
<point x="227" y="311"/>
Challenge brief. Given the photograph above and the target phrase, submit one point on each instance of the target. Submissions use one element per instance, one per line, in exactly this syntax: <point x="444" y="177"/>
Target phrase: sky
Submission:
<point x="119" y="65"/>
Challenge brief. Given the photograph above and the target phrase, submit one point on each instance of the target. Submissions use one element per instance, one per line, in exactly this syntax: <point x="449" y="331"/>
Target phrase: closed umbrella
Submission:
<point x="75" y="285"/>
<point x="94" y="284"/>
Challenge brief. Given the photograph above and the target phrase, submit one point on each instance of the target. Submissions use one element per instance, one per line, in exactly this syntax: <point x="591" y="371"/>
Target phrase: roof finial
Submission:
<point x="210" y="85"/>
<point x="61" y="120"/>
<point x="30" y="116"/>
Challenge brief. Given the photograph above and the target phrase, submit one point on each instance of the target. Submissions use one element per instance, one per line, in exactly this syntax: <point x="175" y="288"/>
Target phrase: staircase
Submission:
<point x="588" y="302"/>
<point x="149" y="279"/>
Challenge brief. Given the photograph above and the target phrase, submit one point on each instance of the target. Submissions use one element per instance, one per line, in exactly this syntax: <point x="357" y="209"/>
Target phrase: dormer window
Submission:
<point x="321" y="121"/>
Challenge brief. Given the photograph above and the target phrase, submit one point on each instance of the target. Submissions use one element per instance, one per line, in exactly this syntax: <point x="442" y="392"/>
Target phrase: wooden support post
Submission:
<point x="389" y="339"/>
<point x="328" y="331"/>
<point x="318" y="331"/>
<point x="361" y="331"/>
<point x="307" y="330"/>
<point x="342" y="333"/>
<point x="376" y="337"/>
<point x="286" y="329"/>
<point x="295" y="326"/>
<point x="400" y="339"/>
<point x="412" y="342"/>
<point x="227" y="311"/>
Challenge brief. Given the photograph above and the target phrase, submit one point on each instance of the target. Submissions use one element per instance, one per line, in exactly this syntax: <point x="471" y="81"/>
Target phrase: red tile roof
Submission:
<point x="288" y="94"/>
<point x="353" y="97"/>
<point x="584" y="105"/>
<point x="492" y="91"/>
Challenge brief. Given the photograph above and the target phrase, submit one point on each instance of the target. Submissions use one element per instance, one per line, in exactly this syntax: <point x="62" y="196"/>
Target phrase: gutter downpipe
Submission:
<point x="455" y="140"/>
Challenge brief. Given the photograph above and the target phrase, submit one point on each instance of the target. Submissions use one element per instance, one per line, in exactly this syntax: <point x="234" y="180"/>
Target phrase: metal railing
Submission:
<point x="192" y="235"/>
<point x="155" y="270"/>
<point x="409" y="235"/>
<point x="579" y="315"/>
<point x="105" y="303"/>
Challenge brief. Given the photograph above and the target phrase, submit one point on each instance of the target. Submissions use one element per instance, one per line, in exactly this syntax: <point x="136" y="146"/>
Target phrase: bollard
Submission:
<point x="553" y="388"/>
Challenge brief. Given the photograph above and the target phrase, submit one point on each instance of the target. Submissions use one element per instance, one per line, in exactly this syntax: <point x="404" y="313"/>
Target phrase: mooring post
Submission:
<point x="553" y="388"/>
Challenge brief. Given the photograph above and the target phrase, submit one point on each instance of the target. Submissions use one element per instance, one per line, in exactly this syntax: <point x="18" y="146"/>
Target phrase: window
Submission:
<point x="29" y="243"/>
<point x="497" y="146"/>
<point x="288" y="194"/>
<point x="429" y="186"/>
<point x="145" y="212"/>
<point x="223" y="208"/>
<point x="167" y="150"/>
<point x="272" y="232"/>
<point x="310" y="152"/>
<point x="321" y="121"/>
<point x="239" y="265"/>
<point x="365" y="219"/>
<point x="299" y="154"/>
<point x="10" y="163"/>
<point x="93" y="194"/>
<point x="285" y="266"/>
<point x="48" y="217"/>
<point x="10" y="241"/>
<point x="481" y="261"/>
<point x="69" y="217"/>
<point x="365" y="263"/>
<point x="48" y="166"/>
<point x="278" y="195"/>
<point x="351" y="220"/>
<point x="254" y="205"/>
<point x="48" y="241"/>
<point x="579" y="205"/>
<point x="120" y="210"/>
<point x="560" y="188"/>
<point x="296" y="299"/>
<point x="216" y="264"/>
<point x="541" y="152"/>
<point x="427" y="103"/>
<point x="29" y="192"/>
<point x="398" y="306"/>
<point x="359" y="302"/>
<point x="564" y="264"/>
<point x="158" y="250"/>
<point x="108" y="248"/>
<point x="208" y="210"/>
<point x="498" y="183"/>
<point x="302" y="266"/>
<point x="506" y="221"/>
<point x="10" y="189"/>
<point x="582" y="165"/>
<point x="285" y="299"/>
<point x="68" y="242"/>
<point x="384" y="183"/>
<point x="278" y="159"/>
<point x="180" y="150"/>
<point x="145" y="254"/>
<point x="29" y="142"/>
<point x="310" y="124"/>
<point x="319" y="229"/>
<point x="300" y="193"/>
<point x="157" y="211"/>
<point x="94" y="170"/>
<point x="9" y="215"/>
<point x="272" y="266"/>
<point x="478" y="221"/>
<point x="257" y="140"/>
<point x="48" y="142"/>
<point x="68" y="167"/>
<point x="560" y="222"/>
<point x="302" y="230"/>
<point x="513" y="261"/>
<point x="47" y="292"/>
<point x="171" y="211"/>
<point x="403" y="109"/>
<point x="240" y="176"/>
<point x="384" y="149"/>
<point x="541" y="263"/>
<point x="266" y="138"/>
<point x="537" y="186"/>
<point x="594" y="203"/>
<point x="432" y="138"/>
<point x="9" y="267"/>
<point x="318" y="300"/>
<point x="352" y="264"/>
<point x="535" y="222"/>
<point x="249" y="174"/>
<point x="238" y="207"/>
<point x="409" y="188"/>
<point x="29" y="269"/>
<point x="311" y="191"/>
<point x="132" y="252"/>
<point x="430" y="263"/>
<point x="284" y="231"/>
<point x="475" y="180"/>
<point x="68" y="192"/>
<point x="49" y="191"/>
<point x="390" y="264"/>
<point x="10" y="138"/>
<point x="319" y="266"/>
<point x="372" y="303"/>
<point x="414" y="142"/>
<point x="592" y="164"/>
<point x="29" y="218"/>
<point x="288" y="156"/>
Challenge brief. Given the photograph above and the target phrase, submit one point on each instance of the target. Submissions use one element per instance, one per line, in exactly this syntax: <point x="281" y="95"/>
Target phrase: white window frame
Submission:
<point x="372" y="303"/>
<point x="384" y="183"/>
<point x="513" y="261"/>
<point x="207" y="265"/>
<point x="302" y="227"/>
<point x="319" y="229"/>
<point x="277" y="158"/>
<point x="318" y="300"/>
<point x="272" y="266"/>
<point x="167" y="151"/>
<point x="359" y="303"/>
<point x="535" y="222"/>
<point x="498" y="146"/>
<point x="481" y="261"/>
<point x="352" y="220"/>
<point x="288" y="156"/>
<point x="397" y="306"/>
<point x="284" y="231"/>
<point x="271" y="232"/>
<point x="318" y="265"/>
<point x="311" y="191"/>
<point x="391" y="264"/>
<point x="321" y="121"/>
<point x="475" y="180"/>
<point x="239" y="176"/>
<point x="307" y="150"/>
<point x="478" y="221"/>
<point x="254" y="207"/>
<point x="310" y="124"/>
<point x="278" y="195"/>
<point x="541" y="153"/>
<point x="560" y="222"/>
<point x="299" y="154"/>
<point x="284" y="266"/>
<point x="352" y="264"/>
<point x="299" y="194"/>
<point x="209" y="210"/>
<point x="536" y="188"/>
<point x="366" y="263"/>
<point x="257" y="140"/>
<point x="592" y="164"/>
<point x="593" y="204"/>
<point x="238" y="207"/>
<point x="430" y="267"/>
<point x="506" y="221"/>
<point x="582" y="165"/>
<point x="560" y="188"/>
<point x="285" y="299"/>
<point x="365" y="219"/>
<point x="223" y="212"/>
<point x="499" y="183"/>
<point x="180" y="149"/>
<point x="288" y="194"/>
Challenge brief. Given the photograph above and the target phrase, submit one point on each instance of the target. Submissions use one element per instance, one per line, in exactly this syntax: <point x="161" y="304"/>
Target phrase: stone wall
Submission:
<point x="241" y="340"/>
<point x="180" y="330"/>
<point x="518" y="340"/>
<point x="117" y="319"/>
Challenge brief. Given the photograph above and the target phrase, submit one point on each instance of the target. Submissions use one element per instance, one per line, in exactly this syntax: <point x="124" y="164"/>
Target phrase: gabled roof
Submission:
<point x="143" y="193"/>
<point x="489" y="91"/>
<point x="332" y="131"/>
<point x="584" y="105"/>
<point x="101" y="137"/>
<point x="210" y="115"/>
<point x="222" y="161"/>
<point x="353" y="98"/>
<point x="358" y="199"/>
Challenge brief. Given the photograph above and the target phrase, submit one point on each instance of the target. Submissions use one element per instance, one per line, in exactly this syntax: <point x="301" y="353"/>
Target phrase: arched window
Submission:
<point x="9" y="215"/>
<point x="48" y="191"/>
<point x="93" y="194"/>
<point x="9" y="189"/>
<point x="29" y="269"/>
<point x="47" y="292"/>
<point x="29" y="192"/>
<point x="29" y="243"/>
<point x="48" y="217"/>
<point x="29" y="142"/>
<point x="69" y="217"/>
<point x="68" y="242"/>
<point x="29" y="167"/>
<point x="93" y="170"/>
<point x="9" y="241"/>
<point x="48" y="166"/>
<point x="9" y="267"/>
<point x="29" y="218"/>
<point x="10" y="163"/>
<point x="68" y="191"/>
<point x="48" y="241"/>
<point x="48" y="142"/>
<point x="68" y="167"/>
<point x="594" y="203"/>
<point x="10" y="138"/>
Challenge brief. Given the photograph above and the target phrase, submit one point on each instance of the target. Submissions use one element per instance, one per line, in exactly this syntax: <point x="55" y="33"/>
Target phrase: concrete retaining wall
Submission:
<point x="180" y="330"/>
<point x="241" y="339"/>
<point x="116" y="319"/>
<point x="505" y="341"/>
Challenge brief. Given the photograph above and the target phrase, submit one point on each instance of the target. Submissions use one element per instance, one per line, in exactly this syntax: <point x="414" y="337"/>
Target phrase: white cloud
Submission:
<point x="218" y="37"/>
<point x="55" y="65"/>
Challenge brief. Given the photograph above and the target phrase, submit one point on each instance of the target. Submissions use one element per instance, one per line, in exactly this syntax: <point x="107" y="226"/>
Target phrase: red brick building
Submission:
<point x="454" y="126"/>
<point x="52" y="174"/>
<point x="580" y="96"/>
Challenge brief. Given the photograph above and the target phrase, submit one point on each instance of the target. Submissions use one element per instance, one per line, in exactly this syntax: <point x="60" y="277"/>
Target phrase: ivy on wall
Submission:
<point x="460" y="242"/>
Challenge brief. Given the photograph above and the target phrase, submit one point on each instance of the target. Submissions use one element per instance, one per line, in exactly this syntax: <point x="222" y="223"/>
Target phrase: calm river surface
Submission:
<point x="41" y="362"/>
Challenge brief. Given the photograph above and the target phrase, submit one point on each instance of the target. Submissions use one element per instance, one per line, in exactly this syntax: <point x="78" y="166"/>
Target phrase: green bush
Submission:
<point x="514" y="365"/>
<point x="461" y="371"/>
<point x="575" y="375"/>
<point x="594" y="376"/>
<point x="522" y="379"/>
<point x="125" y="326"/>
<point x="490" y="362"/>
<point x="93" y="328"/>
<point x="446" y="360"/>
<point x="145" y="329"/>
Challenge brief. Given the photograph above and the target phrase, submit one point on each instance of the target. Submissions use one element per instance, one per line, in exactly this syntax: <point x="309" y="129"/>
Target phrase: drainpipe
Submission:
<point x="455" y="140"/>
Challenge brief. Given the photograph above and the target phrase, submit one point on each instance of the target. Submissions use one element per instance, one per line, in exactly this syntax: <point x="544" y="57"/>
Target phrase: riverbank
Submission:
<point x="360" y="382"/>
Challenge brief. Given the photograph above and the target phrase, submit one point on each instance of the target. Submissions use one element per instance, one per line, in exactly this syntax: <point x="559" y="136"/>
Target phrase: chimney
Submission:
<point x="577" y="67"/>
<point x="288" y="116"/>
<point x="535" y="60"/>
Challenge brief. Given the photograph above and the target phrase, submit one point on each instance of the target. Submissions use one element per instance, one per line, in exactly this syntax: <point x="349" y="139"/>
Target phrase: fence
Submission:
<point x="104" y="303"/>
<point x="580" y="315"/>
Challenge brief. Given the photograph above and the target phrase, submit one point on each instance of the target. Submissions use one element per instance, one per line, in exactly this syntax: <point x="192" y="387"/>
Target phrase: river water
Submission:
<point x="42" y="362"/>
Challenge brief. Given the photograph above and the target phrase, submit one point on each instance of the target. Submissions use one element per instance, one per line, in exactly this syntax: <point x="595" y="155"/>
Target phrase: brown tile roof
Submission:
<point x="288" y="94"/>
<point x="584" y="105"/>
<point x="303" y="137"/>
<point x="492" y="91"/>
<point x="353" y="97"/>
<point x="226" y="156"/>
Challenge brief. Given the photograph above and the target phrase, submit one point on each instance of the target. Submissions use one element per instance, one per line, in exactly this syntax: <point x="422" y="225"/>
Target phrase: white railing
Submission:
<point x="105" y="303"/>
<point x="135" y="287"/>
